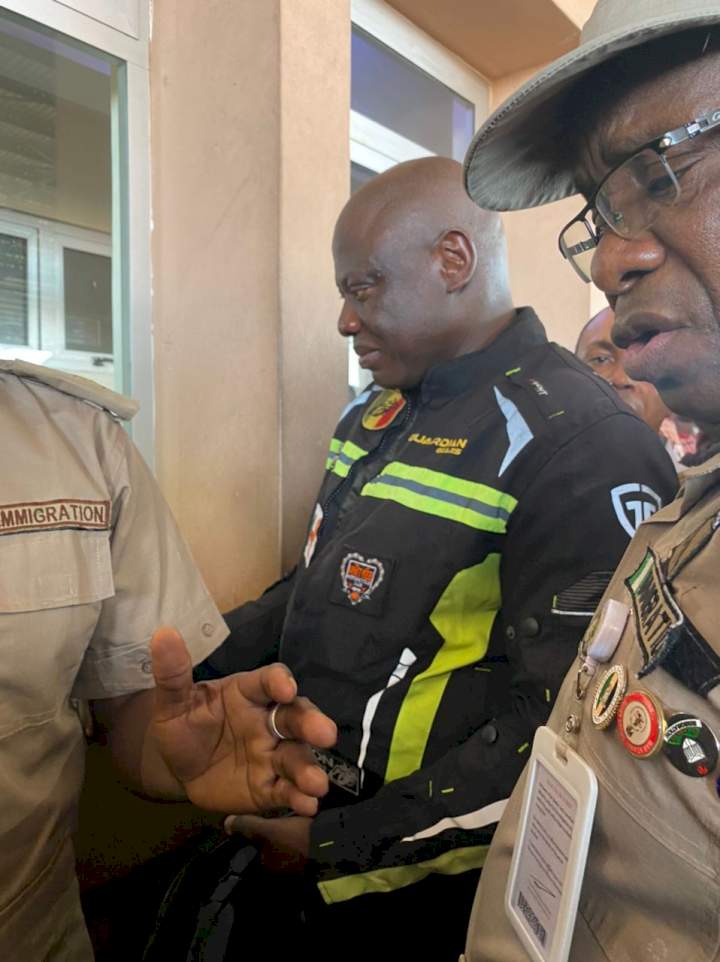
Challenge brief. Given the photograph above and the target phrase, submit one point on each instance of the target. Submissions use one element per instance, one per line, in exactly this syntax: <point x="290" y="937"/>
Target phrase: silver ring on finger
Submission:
<point x="272" y="724"/>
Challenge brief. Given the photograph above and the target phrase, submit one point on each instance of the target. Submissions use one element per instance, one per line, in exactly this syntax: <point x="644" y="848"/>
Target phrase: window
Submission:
<point x="410" y="98"/>
<point x="392" y="92"/>
<point x="56" y="296"/>
<point x="74" y="193"/>
<point x="55" y="204"/>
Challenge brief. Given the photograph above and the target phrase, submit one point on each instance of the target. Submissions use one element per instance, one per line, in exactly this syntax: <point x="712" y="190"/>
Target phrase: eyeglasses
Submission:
<point x="630" y="198"/>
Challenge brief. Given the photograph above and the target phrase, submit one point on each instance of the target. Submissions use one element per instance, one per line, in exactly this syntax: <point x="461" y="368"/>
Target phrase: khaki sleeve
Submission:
<point x="156" y="583"/>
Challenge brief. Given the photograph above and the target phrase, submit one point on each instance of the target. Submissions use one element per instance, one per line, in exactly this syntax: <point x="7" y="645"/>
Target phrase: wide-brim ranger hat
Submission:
<point x="520" y="156"/>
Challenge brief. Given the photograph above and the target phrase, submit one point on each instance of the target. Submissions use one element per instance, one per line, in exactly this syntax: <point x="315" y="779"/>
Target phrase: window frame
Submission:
<point x="125" y="37"/>
<point x="47" y="240"/>
<point x="376" y="147"/>
<point x="409" y="41"/>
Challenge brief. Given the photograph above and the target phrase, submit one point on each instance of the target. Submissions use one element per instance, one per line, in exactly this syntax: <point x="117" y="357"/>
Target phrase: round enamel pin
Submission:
<point x="690" y="745"/>
<point x="641" y="724"/>
<point x="610" y="690"/>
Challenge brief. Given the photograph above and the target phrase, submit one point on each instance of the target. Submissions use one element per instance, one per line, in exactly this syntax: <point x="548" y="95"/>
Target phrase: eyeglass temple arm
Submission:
<point x="700" y="125"/>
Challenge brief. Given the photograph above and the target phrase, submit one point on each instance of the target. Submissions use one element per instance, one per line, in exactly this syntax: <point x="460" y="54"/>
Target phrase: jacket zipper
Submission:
<point x="347" y="481"/>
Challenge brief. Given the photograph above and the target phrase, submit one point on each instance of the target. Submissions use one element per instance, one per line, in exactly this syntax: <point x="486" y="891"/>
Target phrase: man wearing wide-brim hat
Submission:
<point x="630" y="120"/>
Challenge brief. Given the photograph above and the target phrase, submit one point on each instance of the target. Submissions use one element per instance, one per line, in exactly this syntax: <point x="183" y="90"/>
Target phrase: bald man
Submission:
<point x="464" y="530"/>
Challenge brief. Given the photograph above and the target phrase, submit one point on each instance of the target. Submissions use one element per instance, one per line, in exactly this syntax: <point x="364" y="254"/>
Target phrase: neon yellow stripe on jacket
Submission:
<point x="433" y="492"/>
<point x="341" y="457"/>
<point x="463" y="616"/>
<point x="388" y="879"/>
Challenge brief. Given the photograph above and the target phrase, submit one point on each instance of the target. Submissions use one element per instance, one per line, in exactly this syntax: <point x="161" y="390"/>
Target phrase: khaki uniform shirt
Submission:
<point x="91" y="563"/>
<point x="652" y="885"/>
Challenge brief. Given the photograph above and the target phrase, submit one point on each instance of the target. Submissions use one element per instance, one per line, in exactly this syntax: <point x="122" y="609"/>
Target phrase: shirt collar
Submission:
<point x="451" y="378"/>
<point x="697" y="481"/>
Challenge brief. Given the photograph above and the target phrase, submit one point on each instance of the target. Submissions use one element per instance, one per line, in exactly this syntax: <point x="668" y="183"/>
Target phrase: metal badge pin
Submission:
<point x="690" y="745"/>
<point x="608" y="695"/>
<point x="641" y="724"/>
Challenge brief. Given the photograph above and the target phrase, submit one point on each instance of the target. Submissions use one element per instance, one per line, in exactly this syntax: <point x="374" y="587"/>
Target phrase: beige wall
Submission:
<point x="250" y="167"/>
<point x="576" y="10"/>
<point x="314" y="185"/>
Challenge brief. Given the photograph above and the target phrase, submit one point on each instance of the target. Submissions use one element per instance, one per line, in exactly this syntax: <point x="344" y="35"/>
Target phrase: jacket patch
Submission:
<point x="539" y="388"/>
<point x="362" y="582"/>
<point x="633" y="504"/>
<point x="62" y="513"/>
<point x="383" y="411"/>
<point x="360" y="576"/>
<point x="441" y="445"/>
<point x="341" y="772"/>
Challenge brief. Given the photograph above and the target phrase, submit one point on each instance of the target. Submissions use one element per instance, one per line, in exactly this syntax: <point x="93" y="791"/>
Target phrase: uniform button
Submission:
<point x="510" y="632"/>
<point x="489" y="734"/>
<point x="530" y="627"/>
<point x="572" y="724"/>
<point x="146" y="667"/>
<point x="208" y="629"/>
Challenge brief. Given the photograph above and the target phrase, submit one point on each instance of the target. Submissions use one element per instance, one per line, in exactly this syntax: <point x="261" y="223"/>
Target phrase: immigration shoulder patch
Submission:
<point x="48" y="515"/>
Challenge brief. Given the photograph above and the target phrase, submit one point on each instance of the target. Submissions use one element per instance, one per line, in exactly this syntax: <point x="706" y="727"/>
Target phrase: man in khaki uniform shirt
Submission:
<point x="631" y="120"/>
<point x="91" y="563"/>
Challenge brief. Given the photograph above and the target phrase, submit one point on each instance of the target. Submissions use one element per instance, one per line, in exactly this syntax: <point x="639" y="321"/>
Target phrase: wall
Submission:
<point x="576" y="10"/>
<point x="314" y="185"/>
<point x="250" y="168"/>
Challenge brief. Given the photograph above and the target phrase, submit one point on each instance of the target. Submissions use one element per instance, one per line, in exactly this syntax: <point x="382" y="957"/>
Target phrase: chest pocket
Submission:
<point x="52" y="584"/>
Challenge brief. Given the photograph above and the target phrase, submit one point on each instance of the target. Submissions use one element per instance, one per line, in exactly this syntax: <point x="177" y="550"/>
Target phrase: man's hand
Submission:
<point x="284" y="843"/>
<point x="214" y="736"/>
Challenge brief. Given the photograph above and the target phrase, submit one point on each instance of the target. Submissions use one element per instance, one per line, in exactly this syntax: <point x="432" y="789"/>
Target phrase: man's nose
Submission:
<point x="619" y="263"/>
<point x="348" y="322"/>
<point x="607" y="374"/>
<point x="617" y="377"/>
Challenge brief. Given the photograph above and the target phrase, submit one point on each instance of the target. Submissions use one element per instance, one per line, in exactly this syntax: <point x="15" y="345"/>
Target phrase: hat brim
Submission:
<point x="518" y="157"/>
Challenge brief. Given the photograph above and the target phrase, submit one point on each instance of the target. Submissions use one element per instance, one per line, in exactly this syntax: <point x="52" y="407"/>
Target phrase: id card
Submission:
<point x="551" y="849"/>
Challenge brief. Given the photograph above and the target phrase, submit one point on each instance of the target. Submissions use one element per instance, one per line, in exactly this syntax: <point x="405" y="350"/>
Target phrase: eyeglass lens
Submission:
<point x="630" y="199"/>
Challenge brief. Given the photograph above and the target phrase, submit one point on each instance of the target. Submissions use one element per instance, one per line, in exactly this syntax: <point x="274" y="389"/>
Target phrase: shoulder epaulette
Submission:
<point x="77" y="387"/>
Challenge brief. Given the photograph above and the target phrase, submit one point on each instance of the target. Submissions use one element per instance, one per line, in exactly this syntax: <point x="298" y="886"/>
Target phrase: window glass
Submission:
<point x="58" y="133"/>
<point x="88" y="301"/>
<point x="392" y="91"/>
<point x="359" y="175"/>
<point x="13" y="289"/>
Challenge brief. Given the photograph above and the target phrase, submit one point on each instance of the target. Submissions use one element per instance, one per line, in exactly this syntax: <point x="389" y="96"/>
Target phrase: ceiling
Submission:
<point x="500" y="37"/>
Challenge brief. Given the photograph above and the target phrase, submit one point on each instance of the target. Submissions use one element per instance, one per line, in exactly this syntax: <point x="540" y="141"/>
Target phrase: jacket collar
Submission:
<point x="451" y="378"/>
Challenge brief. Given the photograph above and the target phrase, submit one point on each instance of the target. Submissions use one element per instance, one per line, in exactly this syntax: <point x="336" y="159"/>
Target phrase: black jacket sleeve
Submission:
<point x="255" y="630"/>
<point x="565" y="538"/>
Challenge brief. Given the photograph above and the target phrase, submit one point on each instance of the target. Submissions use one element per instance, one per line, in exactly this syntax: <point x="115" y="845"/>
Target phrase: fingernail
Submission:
<point x="228" y="824"/>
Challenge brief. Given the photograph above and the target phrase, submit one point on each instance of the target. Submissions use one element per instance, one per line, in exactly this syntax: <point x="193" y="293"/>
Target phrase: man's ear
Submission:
<point x="457" y="258"/>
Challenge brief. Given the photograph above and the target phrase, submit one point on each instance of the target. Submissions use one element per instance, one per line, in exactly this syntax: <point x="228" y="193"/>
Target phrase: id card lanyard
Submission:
<point x="558" y="810"/>
<point x="551" y="850"/>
